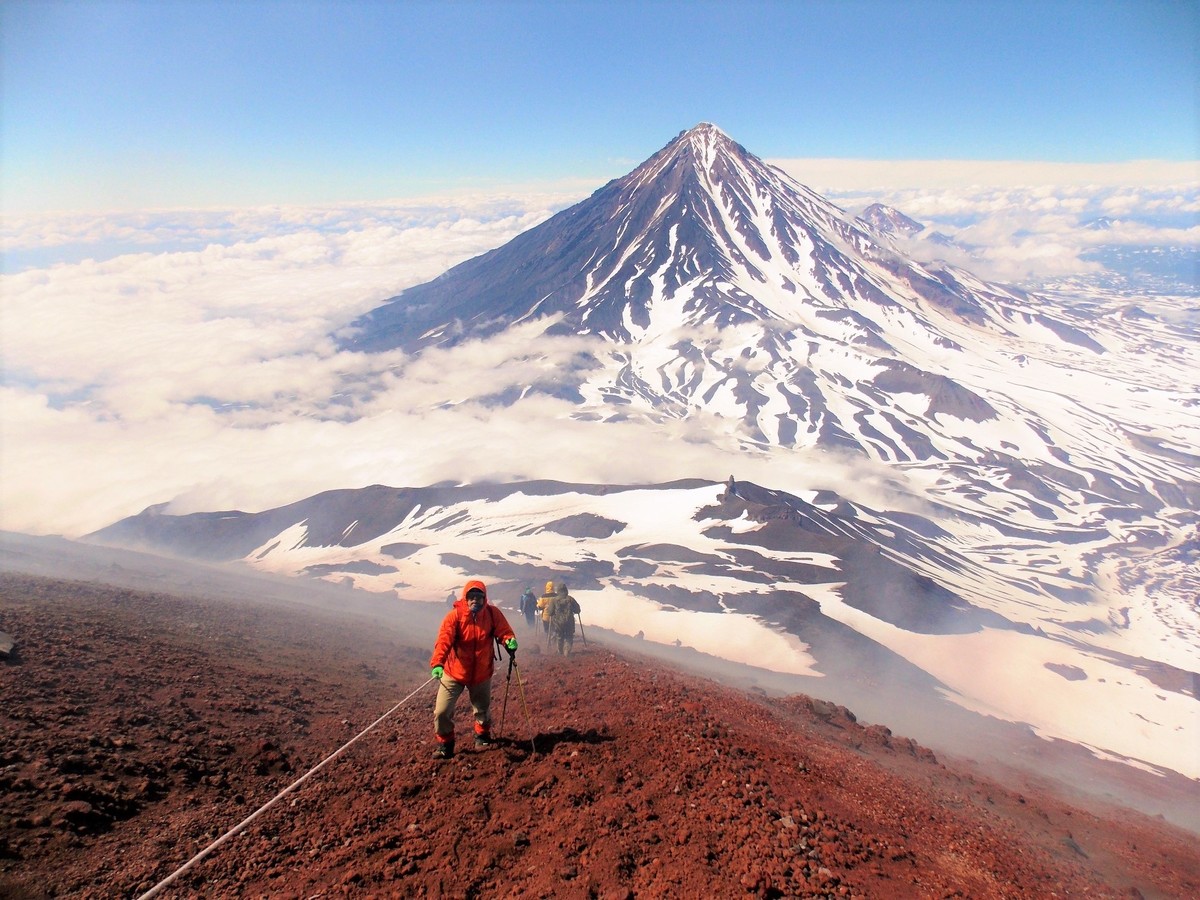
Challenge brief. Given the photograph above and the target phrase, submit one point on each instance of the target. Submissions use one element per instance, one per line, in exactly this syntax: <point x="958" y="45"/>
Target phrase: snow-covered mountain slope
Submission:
<point x="720" y="289"/>
<point x="1025" y="465"/>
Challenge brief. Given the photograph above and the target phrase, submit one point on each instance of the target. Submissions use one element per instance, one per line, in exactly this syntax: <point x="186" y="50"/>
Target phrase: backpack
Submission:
<point x="562" y="612"/>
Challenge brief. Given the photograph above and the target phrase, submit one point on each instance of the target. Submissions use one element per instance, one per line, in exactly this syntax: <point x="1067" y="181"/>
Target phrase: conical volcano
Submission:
<point x="715" y="287"/>
<point x="703" y="233"/>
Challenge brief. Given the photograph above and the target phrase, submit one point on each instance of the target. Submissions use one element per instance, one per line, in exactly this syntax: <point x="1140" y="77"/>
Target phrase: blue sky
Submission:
<point x="129" y="105"/>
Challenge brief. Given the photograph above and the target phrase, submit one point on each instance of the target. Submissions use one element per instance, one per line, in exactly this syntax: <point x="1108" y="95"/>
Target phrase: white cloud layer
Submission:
<point x="951" y="174"/>
<point x="199" y="370"/>
<point x="1030" y="234"/>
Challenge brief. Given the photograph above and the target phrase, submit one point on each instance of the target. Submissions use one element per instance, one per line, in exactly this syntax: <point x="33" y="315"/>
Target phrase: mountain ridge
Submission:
<point x="710" y="791"/>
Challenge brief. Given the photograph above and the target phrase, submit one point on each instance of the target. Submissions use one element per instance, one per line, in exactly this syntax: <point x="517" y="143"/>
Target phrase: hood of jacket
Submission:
<point x="474" y="586"/>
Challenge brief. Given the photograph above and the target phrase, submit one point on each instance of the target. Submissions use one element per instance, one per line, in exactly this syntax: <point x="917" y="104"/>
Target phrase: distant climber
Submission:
<point x="730" y="488"/>
<point x="528" y="606"/>
<point x="563" y="610"/>
<point x="543" y="605"/>
<point x="463" y="658"/>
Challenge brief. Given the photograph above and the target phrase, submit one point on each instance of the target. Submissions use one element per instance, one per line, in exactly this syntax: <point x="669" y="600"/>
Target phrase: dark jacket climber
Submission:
<point x="463" y="658"/>
<point x="528" y="606"/>
<point x="563" y="610"/>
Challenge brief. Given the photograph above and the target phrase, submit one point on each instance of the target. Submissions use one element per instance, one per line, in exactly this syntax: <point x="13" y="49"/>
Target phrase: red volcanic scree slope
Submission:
<point x="140" y="727"/>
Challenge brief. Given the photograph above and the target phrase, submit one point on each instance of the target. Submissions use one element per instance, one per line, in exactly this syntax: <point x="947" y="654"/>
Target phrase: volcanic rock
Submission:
<point x="142" y="727"/>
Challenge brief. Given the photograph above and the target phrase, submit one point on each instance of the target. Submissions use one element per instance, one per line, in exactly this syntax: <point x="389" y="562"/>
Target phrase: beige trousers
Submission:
<point x="443" y="707"/>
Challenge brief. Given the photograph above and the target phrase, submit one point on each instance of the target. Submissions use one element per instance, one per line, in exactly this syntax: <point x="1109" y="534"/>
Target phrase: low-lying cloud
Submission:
<point x="199" y="371"/>
<point x="1029" y="234"/>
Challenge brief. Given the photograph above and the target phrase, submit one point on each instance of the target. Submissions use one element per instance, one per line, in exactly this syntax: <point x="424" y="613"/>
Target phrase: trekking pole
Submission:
<point x="524" y="706"/>
<point x="507" y="683"/>
<point x="582" y="633"/>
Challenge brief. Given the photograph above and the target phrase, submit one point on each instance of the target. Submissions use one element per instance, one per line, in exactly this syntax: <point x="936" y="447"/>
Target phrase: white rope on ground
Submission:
<point x="162" y="885"/>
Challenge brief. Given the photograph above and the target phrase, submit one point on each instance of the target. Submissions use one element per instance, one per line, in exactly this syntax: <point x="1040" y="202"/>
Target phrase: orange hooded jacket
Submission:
<point x="465" y="643"/>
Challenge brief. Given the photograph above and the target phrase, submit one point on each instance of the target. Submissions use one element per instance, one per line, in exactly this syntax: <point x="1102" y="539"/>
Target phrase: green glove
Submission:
<point x="511" y="644"/>
<point x="436" y="673"/>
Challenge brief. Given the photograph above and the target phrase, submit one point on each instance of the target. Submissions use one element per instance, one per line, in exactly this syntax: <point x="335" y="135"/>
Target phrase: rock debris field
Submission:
<point x="137" y="728"/>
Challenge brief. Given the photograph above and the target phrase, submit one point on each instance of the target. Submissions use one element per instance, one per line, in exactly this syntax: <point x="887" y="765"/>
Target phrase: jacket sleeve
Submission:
<point x="441" y="647"/>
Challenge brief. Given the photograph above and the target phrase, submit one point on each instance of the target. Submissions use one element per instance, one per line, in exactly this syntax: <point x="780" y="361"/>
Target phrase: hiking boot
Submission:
<point x="483" y="740"/>
<point x="443" y="751"/>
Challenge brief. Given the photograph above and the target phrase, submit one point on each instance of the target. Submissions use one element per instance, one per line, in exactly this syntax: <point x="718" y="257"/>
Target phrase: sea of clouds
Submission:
<point x="186" y="357"/>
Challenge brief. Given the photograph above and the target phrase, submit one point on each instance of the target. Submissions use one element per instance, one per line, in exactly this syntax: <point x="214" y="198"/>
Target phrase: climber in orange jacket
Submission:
<point x="463" y="658"/>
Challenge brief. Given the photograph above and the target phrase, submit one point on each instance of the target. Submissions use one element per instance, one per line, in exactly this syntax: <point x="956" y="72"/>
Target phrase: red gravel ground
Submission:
<point x="136" y="728"/>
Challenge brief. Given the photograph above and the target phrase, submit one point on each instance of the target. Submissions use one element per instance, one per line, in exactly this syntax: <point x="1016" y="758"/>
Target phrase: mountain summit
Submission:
<point x="703" y="233"/>
<point x="715" y="284"/>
